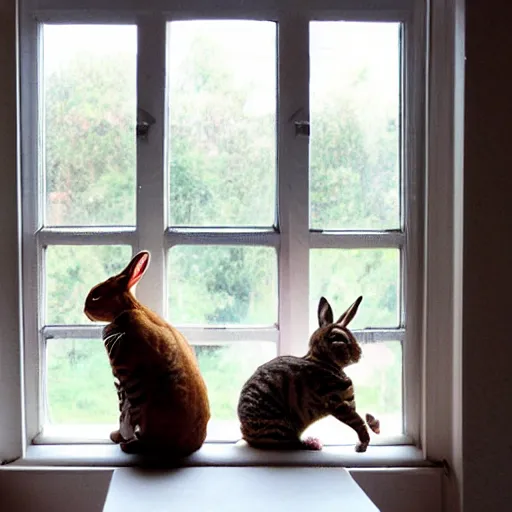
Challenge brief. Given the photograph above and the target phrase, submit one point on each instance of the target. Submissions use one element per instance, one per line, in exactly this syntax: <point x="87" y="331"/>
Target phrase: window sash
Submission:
<point x="118" y="11"/>
<point x="294" y="238"/>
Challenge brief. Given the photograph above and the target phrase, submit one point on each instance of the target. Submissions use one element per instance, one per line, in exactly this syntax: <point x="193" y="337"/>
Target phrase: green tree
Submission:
<point x="89" y="107"/>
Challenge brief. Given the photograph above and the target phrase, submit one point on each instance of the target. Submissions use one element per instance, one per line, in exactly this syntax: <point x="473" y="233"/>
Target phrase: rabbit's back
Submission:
<point x="158" y="373"/>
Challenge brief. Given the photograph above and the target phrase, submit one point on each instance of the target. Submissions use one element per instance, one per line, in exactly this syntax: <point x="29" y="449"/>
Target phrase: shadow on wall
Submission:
<point x="55" y="490"/>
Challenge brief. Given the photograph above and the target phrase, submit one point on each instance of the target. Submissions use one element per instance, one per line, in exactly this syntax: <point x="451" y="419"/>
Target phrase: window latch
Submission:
<point x="144" y="121"/>
<point x="301" y="127"/>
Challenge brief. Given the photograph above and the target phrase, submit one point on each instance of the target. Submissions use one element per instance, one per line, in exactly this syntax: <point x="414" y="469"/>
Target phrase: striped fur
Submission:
<point x="287" y="394"/>
<point x="163" y="400"/>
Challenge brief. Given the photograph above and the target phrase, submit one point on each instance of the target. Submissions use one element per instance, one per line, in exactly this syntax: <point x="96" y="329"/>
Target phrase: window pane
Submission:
<point x="377" y="380"/>
<point x="341" y="275"/>
<point x="89" y="103"/>
<point x="80" y="387"/>
<point x="225" y="369"/>
<point x="222" y="285"/>
<point x="71" y="271"/>
<point x="79" y="383"/>
<point x="355" y="125"/>
<point x="222" y="83"/>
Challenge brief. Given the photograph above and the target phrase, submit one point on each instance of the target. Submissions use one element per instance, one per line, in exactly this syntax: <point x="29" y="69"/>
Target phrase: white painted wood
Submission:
<point x="72" y="331"/>
<point x="454" y="481"/>
<point x="11" y="445"/>
<point x="356" y="240"/>
<point x="443" y="234"/>
<point x="221" y="334"/>
<point x="202" y="335"/>
<point x="233" y="489"/>
<point x="293" y="171"/>
<point x="31" y="215"/>
<point x="86" y="236"/>
<point x="413" y="208"/>
<point x="228" y="454"/>
<point x="151" y="162"/>
<point x="222" y="237"/>
<point x="63" y="10"/>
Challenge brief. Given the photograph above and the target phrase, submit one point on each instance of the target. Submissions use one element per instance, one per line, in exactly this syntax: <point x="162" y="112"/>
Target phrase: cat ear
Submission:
<point x="349" y="314"/>
<point x="325" y="316"/>
<point x="136" y="268"/>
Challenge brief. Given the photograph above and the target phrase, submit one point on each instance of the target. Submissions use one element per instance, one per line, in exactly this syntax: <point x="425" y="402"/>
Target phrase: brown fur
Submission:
<point x="287" y="394"/>
<point x="163" y="398"/>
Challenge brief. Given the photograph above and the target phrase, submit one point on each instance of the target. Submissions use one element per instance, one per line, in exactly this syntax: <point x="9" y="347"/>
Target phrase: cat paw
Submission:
<point x="312" y="443"/>
<point x="361" y="447"/>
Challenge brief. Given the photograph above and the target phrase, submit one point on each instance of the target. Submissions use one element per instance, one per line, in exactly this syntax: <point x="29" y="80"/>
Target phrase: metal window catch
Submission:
<point x="144" y="121"/>
<point x="301" y="127"/>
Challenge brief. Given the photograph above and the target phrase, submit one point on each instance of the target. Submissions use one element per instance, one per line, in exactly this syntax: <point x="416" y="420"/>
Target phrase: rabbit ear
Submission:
<point x="136" y="268"/>
<point x="325" y="316"/>
<point x="347" y="317"/>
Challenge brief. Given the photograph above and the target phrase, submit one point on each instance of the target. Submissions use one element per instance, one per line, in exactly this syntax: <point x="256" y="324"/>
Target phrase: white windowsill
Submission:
<point x="226" y="454"/>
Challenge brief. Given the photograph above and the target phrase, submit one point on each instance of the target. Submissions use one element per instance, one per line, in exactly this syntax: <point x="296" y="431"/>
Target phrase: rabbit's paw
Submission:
<point x="312" y="443"/>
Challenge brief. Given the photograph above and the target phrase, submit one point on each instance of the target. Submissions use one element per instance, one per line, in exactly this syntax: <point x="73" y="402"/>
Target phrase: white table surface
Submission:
<point x="230" y="489"/>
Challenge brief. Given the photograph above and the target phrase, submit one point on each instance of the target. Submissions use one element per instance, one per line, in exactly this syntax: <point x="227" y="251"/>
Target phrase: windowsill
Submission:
<point x="226" y="454"/>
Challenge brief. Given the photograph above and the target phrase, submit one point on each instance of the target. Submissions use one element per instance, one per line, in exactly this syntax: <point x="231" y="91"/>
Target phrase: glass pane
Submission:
<point x="79" y="383"/>
<point x="341" y="275"/>
<point x="222" y="285"/>
<point x="225" y="369"/>
<point x="355" y="125"/>
<point x="222" y="86"/>
<point x="71" y="271"/>
<point x="377" y="380"/>
<point x="89" y="104"/>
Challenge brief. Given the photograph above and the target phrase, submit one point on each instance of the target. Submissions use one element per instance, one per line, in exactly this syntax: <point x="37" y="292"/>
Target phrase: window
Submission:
<point x="278" y="165"/>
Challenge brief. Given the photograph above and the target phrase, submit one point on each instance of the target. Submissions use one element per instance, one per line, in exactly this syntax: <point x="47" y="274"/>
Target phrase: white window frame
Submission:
<point x="294" y="226"/>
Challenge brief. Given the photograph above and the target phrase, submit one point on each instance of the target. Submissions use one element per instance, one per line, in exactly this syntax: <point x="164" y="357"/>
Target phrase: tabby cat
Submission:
<point x="287" y="394"/>
<point x="163" y="399"/>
